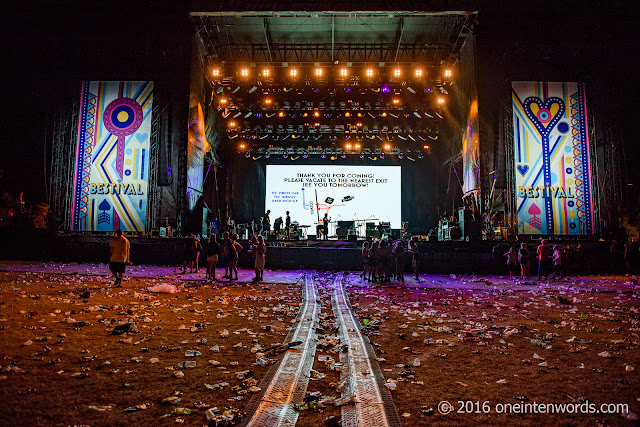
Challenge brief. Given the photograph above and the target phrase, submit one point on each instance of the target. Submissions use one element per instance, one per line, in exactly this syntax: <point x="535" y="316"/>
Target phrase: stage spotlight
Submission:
<point x="347" y="114"/>
<point x="316" y="124"/>
<point x="369" y="72"/>
<point x="244" y="72"/>
<point x="344" y="156"/>
<point x="305" y="155"/>
<point x="400" y="156"/>
<point x="419" y="72"/>
<point x="266" y="72"/>
<point x="387" y="147"/>
<point x="348" y="146"/>
<point x="381" y="156"/>
<point x="223" y="100"/>
<point x="293" y="72"/>
<point x="316" y="114"/>
<point x="232" y="124"/>
<point x="448" y="73"/>
<point x="357" y="146"/>
<point x="318" y="72"/>
<point x="215" y="72"/>
<point x="426" y="147"/>
<point x="359" y="125"/>
<point x="344" y="72"/>
<point x="242" y="146"/>
<point x="396" y="101"/>
<point x="441" y="100"/>
<point x="324" y="156"/>
<point x="397" y="72"/>
<point x="267" y="101"/>
<point x="333" y="157"/>
<point x="280" y="114"/>
<point x="384" y="114"/>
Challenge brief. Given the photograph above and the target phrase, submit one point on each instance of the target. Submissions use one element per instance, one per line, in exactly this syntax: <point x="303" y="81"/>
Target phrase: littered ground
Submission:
<point x="488" y="345"/>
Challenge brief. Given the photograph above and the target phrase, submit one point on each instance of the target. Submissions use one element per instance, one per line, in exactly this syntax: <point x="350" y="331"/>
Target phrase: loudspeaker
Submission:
<point x="395" y="233"/>
<point x="353" y="238"/>
<point x="311" y="237"/>
<point x="341" y="232"/>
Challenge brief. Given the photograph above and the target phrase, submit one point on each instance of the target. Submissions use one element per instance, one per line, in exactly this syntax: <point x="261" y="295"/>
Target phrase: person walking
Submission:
<point x="213" y="249"/>
<point x="119" y="247"/>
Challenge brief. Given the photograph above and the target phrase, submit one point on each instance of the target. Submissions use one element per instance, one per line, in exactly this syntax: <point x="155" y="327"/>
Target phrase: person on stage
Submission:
<point x="287" y="225"/>
<point x="325" y="226"/>
<point x="266" y="222"/>
<point x="277" y="225"/>
<point x="119" y="248"/>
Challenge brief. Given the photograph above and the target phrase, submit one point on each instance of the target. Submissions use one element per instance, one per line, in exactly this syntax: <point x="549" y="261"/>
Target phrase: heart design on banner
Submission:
<point x="141" y="137"/>
<point x="544" y="114"/>
<point x="523" y="169"/>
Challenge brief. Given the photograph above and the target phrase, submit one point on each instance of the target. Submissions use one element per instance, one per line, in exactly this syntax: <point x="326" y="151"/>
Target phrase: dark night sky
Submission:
<point x="51" y="47"/>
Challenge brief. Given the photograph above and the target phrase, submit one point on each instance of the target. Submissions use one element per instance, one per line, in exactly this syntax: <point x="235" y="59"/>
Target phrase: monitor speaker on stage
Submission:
<point x="353" y="238"/>
<point x="311" y="237"/>
<point x="342" y="232"/>
<point x="395" y="233"/>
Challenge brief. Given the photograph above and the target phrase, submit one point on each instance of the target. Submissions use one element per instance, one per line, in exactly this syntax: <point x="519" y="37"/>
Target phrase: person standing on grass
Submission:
<point x="557" y="261"/>
<point x="365" y="260"/>
<point x="119" y="247"/>
<point x="413" y="250"/>
<point x="544" y="259"/>
<point x="512" y="261"/>
<point x="260" y="249"/>
<point x="523" y="258"/>
<point x="399" y="255"/>
<point x="213" y="249"/>
<point x="234" y="249"/>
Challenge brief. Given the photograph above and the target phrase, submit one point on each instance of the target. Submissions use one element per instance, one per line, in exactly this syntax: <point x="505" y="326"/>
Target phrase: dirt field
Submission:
<point x="481" y="348"/>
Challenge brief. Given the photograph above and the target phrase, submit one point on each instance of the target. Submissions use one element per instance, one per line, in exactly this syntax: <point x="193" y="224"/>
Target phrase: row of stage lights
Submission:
<point x="333" y="154"/>
<point x="322" y="72"/>
<point x="348" y="147"/>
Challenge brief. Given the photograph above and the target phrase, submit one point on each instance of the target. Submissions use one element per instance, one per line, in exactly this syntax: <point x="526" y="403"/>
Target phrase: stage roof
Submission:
<point x="431" y="38"/>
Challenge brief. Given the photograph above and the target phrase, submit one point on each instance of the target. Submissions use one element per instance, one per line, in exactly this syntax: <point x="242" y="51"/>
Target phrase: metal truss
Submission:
<point x="154" y="197"/>
<point x="510" y="172"/>
<point x="63" y="150"/>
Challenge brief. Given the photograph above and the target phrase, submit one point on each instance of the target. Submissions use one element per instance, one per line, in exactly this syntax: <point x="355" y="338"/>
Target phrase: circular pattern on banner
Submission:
<point x="127" y="162"/>
<point x="567" y="149"/>
<point x="554" y="178"/>
<point x="127" y="172"/>
<point x="569" y="181"/>
<point x="572" y="225"/>
<point x="572" y="214"/>
<point x="563" y="127"/>
<point x="569" y="171"/>
<point x="129" y="151"/>
<point x="570" y="203"/>
<point x="568" y="159"/>
<point x="123" y="116"/>
<point x="544" y="116"/>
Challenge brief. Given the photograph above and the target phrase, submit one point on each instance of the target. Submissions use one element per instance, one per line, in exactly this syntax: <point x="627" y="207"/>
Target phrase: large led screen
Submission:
<point x="552" y="159"/>
<point x="364" y="194"/>
<point x="112" y="156"/>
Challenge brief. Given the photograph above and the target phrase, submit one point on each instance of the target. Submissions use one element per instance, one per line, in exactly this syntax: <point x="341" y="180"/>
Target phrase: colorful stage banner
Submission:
<point x="112" y="156"/>
<point x="552" y="159"/>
